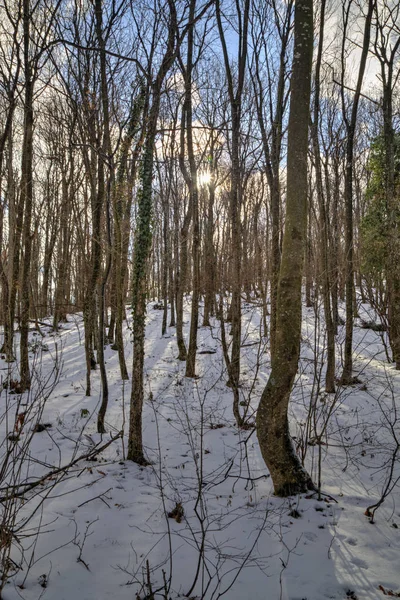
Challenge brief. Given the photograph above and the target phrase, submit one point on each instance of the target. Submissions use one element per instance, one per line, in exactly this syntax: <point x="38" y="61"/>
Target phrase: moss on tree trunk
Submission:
<point x="276" y="446"/>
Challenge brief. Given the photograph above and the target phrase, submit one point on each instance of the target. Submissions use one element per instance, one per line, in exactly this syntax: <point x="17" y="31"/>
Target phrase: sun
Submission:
<point x="204" y="178"/>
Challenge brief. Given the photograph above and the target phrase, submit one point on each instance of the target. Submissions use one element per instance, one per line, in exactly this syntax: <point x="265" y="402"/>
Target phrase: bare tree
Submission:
<point x="323" y="216"/>
<point x="276" y="446"/>
<point x="386" y="48"/>
<point x="270" y="84"/>
<point x="235" y="92"/>
<point x="143" y="242"/>
<point x="350" y="119"/>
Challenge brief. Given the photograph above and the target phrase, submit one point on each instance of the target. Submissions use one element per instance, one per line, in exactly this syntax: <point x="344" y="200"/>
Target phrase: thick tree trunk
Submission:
<point x="273" y="433"/>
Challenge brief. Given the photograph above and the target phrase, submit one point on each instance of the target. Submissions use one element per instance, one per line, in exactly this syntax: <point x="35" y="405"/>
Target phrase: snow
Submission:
<point x="104" y="526"/>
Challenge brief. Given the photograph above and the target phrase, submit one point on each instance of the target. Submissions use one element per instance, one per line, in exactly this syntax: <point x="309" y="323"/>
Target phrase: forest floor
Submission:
<point x="101" y="529"/>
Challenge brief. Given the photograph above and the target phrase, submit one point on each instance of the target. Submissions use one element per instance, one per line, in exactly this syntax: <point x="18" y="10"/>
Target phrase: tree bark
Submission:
<point x="273" y="433"/>
<point x="105" y="184"/>
<point x="347" y="375"/>
<point x="235" y="99"/>
<point x="26" y="199"/>
<point x="323" y="218"/>
<point x="143" y="241"/>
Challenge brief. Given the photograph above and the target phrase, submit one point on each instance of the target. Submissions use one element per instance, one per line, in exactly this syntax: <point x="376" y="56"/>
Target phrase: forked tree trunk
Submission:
<point x="273" y="433"/>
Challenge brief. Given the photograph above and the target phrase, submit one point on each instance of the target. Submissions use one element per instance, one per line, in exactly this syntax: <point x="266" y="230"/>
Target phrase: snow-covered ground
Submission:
<point x="104" y="527"/>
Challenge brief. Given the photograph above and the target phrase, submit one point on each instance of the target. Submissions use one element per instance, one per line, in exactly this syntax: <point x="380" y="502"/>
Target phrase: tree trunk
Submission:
<point x="122" y="204"/>
<point x="105" y="185"/>
<point x="347" y="375"/>
<point x="235" y="100"/>
<point x="209" y="264"/>
<point x="273" y="433"/>
<point x="323" y="218"/>
<point x="143" y="241"/>
<point x="192" y="183"/>
<point x="26" y="200"/>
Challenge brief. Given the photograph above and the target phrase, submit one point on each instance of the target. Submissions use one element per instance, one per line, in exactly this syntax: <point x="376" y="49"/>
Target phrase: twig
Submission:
<point x="95" y="498"/>
<point x="80" y="545"/>
<point x="323" y="494"/>
<point x="30" y="486"/>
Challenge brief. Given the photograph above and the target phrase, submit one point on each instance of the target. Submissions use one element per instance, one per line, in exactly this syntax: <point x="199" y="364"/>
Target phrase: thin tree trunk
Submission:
<point x="26" y="200"/>
<point x="330" y="329"/>
<point x="143" y="242"/>
<point x="104" y="193"/>
<point x="347" y="375"/>
<point x="192" y="183"/>
<point x="209" y="266"/>
<point x="235" y="99"/>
